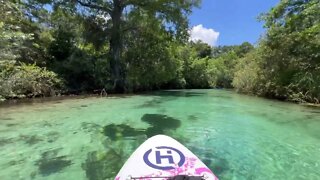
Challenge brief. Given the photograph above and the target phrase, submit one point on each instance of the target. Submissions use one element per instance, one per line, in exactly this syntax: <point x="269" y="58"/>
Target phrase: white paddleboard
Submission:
<point x="162" y="157"/>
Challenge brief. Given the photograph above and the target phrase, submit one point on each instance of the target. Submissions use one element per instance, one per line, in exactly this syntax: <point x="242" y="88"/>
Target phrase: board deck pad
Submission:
<point x="162" y="156"/>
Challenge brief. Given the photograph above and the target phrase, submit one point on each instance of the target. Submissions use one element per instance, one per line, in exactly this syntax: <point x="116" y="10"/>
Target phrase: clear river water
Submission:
<point x="237" y="136"/>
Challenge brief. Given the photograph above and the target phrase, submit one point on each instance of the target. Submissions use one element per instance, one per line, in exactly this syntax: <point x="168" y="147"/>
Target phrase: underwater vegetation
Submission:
<point x="31" y="140"/>
<point x="178" y="93"/>
<point x="192" y="117"/>
<point x="90" y="127"/>
<point x="159" y="123"/>
<point x="5" y="141"/>
<point x="102" y="165"/>
<point x="53" y="136"/>
<point x="151" y="103"/>
<point x="50" y="162"/>
<point x="115" y="132"/>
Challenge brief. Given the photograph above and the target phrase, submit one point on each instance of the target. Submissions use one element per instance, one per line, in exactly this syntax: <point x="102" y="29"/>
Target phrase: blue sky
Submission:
<point x="229" y="22"/>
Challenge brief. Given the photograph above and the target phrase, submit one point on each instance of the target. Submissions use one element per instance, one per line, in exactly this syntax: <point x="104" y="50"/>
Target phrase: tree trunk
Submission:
<point x="116" y="47"/>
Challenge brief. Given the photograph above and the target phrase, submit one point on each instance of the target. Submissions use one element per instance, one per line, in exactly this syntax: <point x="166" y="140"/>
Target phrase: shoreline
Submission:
<point x="31" y="100"/>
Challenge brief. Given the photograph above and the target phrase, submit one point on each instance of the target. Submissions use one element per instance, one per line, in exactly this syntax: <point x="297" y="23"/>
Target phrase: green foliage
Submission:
<point x="201" y="71"/>
<point x="203" y="49"/>
<point x="247" y="77"/>
<point x="101" y="44"/>
<point x="150" y="56"/>
<point x="240" y="50"/>
<point x="288" y="63"/>
<point x="12" y="36"/>
<point x="27" y="80"/>
<point x="225" y="69"/>
<point x="197" y="75"/>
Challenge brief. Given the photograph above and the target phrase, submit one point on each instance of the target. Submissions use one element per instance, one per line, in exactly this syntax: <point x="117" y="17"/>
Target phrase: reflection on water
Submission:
<point x="238" y="137"/>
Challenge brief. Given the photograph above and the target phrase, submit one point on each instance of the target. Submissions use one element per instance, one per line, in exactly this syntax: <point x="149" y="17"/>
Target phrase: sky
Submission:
<point x="229" y="22"/>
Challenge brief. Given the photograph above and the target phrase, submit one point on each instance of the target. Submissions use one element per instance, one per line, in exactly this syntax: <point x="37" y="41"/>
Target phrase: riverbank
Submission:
<point x="81" y="95"/>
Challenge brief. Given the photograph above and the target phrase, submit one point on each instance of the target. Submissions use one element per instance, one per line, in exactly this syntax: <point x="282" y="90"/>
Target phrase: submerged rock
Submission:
<point x="102" y="165"/>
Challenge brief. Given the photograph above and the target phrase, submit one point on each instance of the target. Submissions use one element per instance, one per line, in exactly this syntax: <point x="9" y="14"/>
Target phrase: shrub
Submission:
<point x="17" y="81"/>
<point x="247" y="74"/>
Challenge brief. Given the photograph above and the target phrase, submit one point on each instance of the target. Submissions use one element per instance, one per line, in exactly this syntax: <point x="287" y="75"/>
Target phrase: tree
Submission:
<point x="243" y="49"/>
<point x="203" y="49"/>
<point x="12" y="36"/>
<point x="171" y="13"/>
<point x="292" y="44"/>
<point x="286" y="63"/>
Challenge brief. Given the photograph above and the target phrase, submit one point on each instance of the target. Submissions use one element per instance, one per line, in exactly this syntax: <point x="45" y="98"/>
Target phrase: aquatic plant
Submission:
<point x="30" y="139"/>
<point x="159" y="123"/>
<point x="102" y="165"/>
<point x="90" y="127"/>
<point x="52" y="136"/>
<point x="155" y="102"/>
<point x="51" y="163"/>
<point x="54" y="165"/>
<point x="192" y="117"/>
<point x="5" y="141"/>
<point x="116" y="132"/>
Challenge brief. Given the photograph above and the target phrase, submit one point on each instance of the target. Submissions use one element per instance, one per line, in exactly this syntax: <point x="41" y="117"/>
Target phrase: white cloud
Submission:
<point x="209" y="36"/>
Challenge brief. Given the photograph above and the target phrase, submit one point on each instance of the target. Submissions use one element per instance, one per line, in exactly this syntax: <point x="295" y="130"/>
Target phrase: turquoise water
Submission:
<point x="237" y="136"/>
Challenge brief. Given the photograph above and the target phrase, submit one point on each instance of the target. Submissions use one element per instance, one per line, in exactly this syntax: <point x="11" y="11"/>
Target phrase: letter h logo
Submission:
<point x="160" y="157"/>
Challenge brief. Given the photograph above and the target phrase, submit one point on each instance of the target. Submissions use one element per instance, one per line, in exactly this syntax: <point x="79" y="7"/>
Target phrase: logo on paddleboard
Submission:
<point x="164" y="158"/>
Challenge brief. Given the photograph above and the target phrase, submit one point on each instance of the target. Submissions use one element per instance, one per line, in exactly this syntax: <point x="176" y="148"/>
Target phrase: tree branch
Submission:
<point x="95" y="6"/>
<point x="135" y="2"/>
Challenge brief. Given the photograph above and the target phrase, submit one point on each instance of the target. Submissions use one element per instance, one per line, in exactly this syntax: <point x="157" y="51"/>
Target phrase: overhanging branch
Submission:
<point x="95" y="6"/>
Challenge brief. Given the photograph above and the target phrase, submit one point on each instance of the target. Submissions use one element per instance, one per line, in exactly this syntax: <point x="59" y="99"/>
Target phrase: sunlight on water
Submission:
<point x="238" y="137"/>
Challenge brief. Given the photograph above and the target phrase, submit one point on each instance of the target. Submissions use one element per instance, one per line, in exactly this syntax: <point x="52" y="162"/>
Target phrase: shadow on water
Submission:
<point x="159" y="123"/>
<point x="51" y="163"/>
